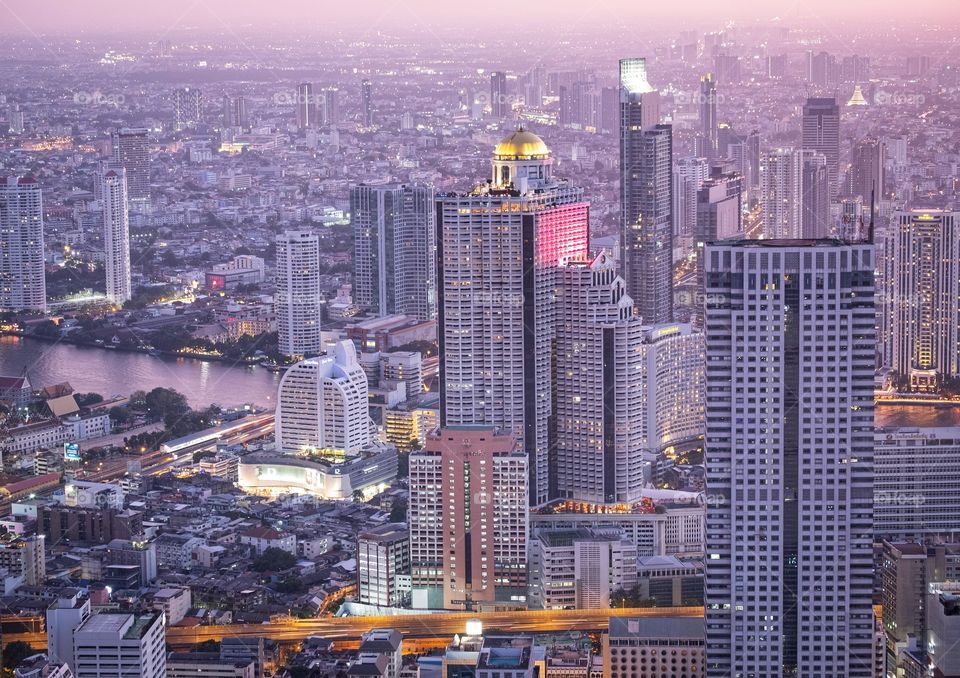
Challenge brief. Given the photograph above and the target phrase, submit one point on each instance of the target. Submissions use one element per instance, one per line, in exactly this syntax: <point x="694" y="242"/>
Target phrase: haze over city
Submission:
<point x="418" y="340"/>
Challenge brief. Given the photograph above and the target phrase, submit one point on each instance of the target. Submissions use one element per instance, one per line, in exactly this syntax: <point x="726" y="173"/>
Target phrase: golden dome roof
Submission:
<point x="521" y="144"/>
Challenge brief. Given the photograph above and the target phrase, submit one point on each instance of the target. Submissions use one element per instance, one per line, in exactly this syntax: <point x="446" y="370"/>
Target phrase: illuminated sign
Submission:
<point x="71" y="452"/>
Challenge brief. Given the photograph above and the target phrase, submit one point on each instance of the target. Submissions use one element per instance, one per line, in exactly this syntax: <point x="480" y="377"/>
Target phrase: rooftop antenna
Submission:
<point x="873" y="196"/>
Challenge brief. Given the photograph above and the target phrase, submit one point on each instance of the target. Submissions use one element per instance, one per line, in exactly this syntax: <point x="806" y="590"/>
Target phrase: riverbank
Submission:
<point x="120" y="372"/>
<point x="196" y="355"/>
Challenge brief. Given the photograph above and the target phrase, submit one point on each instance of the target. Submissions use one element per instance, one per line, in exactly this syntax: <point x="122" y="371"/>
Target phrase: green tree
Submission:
<point x="274" y="559"/>
<point x="87" y="399"/>
<point x="14" y="654"/>
<point x="119" y="415"/>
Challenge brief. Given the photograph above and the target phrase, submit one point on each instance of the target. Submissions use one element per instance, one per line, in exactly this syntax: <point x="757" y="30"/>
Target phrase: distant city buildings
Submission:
<point x="394" y="249"/>
<point x="789" y="454"/>
<point x="187" y="108"/>
<point x="22" y="269"/>
<point x="298" y="301"/>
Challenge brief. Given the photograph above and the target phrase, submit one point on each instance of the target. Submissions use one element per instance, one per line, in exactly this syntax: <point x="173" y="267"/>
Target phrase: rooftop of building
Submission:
<point x="657" y="627"/>
<point x="389" y="532"/>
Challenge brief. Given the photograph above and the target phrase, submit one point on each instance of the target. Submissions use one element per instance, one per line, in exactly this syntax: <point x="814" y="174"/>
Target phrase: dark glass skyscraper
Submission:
<point x="646" y="195"/>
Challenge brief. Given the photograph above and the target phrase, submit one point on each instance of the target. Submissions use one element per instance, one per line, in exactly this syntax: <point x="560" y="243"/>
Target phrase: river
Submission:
<point x="114" y="372"/>
<point x="111" y="373"/>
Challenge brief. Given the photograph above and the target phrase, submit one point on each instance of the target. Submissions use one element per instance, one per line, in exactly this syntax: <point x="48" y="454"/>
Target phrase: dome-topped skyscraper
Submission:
<point x="499" y="248"/>
<point x="522" y="161"/>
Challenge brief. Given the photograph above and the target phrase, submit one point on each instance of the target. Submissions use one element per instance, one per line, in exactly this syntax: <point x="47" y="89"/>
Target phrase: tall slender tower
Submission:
<point x="789" y="458"/>
<point x="920" y="321"/>
<point x="814" y="195"/>
<point x="499" y="249"/>
<point x="867" y="168"/>
<point x="708" y="117"/>
<point x="499" y="100"/>
<point x="646" y="195"/>
<point x="22" y="277"/>
<point x="395" y="265"/>
<point x="306" y="106"/>
<point x="821" y="133"/>
<point x="366" y="103"/>
<point x="624" y="390"/>
<point x="116" y="233"/>
<point x="298" y="304"/>
<point x="782" y="182"/>
<point x="131" y="152"/>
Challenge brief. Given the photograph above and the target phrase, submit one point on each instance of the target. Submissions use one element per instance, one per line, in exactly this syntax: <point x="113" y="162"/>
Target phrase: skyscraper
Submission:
<point x="22" y="276"/>
<point x="366" y="103"/>
<point x="187" y="108"/>
<point x="499" y="248"/>
<point x="395" y="266"/>
<point x="920" y="318"/>
<point x="719" y="214"/>
<point x="306" y="106"/>
<point x="814" y="196"/>
<point x="468" y="520"/>
<point x="782" y="184"/>
<point x="624" y="390"/>
<point x="708" y="116"/>
<point x="789" y="457"/>
<point x="322" y="403"/>
<point x="499" y="100"/>
<point x="646" y="195"/>
<point x="297" y="302"/>
<point x="131" y="152"/>
<point x="821" y="133"/>
<point x="235" y="112"/>
<point x="330" y="112"/>
<point x="116" y="234"/>
<point x="688" y="176"/>
<point x="867" y="168"/>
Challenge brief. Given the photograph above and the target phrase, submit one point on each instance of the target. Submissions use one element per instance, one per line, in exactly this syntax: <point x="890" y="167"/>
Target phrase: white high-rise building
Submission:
<point x="499" y="248"/>
<point x="116" y="234"/>
<point x="623" y="389"/>
<point x="781" y="178"/>
<point x="298" y="303"/>
<point x="920" y="316"/>
<point x="120" y="644"/>
<point x="322" y="403"/>
<point x="394" y="262"/>
<point x="790" y="331"/>
<point x="22" y="277"/>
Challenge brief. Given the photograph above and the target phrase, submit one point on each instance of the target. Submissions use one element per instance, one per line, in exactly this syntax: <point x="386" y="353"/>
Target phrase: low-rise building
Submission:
<point x="655" y="647"/>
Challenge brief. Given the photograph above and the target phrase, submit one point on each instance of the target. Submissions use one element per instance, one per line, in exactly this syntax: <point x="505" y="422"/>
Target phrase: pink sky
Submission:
<point x="90" y="16"/>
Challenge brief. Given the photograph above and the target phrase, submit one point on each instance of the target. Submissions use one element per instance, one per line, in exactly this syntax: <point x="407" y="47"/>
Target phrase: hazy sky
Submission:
<point x="73" y="17"/>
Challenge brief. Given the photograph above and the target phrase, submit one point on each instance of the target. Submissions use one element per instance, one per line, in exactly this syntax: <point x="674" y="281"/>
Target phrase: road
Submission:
<point x="440" y="625"/>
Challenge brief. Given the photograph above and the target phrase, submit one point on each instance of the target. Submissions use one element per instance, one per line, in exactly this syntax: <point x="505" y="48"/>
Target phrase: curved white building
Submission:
<point x="322" y="404"/>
